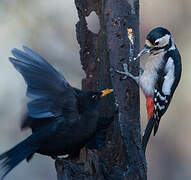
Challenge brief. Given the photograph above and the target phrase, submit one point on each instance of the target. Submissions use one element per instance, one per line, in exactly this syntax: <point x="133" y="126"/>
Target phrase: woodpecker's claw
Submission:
<point x="122" y="73"/>
<point x="126" y="73"/>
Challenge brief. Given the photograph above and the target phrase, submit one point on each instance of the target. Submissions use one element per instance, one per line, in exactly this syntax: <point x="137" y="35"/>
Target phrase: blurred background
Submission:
<point x="48" y="27"/>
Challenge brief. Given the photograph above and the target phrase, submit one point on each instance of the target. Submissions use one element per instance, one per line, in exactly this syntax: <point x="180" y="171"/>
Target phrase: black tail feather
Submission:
<point x="14" y="156"/>
<point x="156" y="126"/>
<point x="147" y="133"/>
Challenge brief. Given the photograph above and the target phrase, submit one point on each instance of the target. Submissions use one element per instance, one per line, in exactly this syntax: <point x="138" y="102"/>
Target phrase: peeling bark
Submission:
<point x="116" y="44"/>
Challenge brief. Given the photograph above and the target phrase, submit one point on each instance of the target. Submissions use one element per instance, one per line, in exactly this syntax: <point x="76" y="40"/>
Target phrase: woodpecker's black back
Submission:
<point x="63" y="119"/>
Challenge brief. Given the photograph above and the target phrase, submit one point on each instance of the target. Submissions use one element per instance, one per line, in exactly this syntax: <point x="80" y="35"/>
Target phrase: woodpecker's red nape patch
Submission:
<point x="150" y="106"/>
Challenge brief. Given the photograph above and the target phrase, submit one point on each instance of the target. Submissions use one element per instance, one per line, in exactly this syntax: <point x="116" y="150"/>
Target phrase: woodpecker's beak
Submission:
<point x="106" y="92"/>
<point x="145" y="50"/>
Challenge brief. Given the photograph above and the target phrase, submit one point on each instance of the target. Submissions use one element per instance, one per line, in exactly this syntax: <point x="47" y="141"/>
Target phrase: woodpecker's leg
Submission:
<point x="126" y="73"/>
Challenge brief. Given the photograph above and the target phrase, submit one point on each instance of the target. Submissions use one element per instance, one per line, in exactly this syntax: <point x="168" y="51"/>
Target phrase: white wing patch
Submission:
<point x="157" y="105"/>
<point x="162" y="98"/>
<point x="163" y="41"/>
<point x="169" y="78"/>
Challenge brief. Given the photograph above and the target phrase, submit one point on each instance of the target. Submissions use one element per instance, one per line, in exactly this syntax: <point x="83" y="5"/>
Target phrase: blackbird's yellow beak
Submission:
<point x="106" y="92"/>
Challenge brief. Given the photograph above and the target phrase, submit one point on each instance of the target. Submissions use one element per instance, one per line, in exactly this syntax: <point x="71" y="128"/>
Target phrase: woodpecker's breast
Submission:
<point x="150" y="75"/>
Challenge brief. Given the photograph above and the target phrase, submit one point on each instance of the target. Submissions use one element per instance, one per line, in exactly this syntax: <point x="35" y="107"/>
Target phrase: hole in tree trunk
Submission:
<point x="93" y="22"/>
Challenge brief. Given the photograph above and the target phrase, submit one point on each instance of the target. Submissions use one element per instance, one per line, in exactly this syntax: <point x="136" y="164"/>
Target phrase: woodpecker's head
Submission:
<point x="158" y="40"/>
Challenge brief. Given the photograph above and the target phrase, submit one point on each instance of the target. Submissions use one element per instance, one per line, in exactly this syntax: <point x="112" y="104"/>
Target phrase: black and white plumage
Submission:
<point x="160" y="78"/>
<point x="168" y="79"/>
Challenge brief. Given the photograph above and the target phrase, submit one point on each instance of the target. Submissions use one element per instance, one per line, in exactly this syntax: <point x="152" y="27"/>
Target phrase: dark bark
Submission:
<point x="117" y="43"/>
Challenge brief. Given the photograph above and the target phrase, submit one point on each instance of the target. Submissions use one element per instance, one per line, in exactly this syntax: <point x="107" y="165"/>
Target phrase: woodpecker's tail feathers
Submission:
<point x="17" y="154"/>
<point x="156" y="126"/>
<point x="147" y="134"/>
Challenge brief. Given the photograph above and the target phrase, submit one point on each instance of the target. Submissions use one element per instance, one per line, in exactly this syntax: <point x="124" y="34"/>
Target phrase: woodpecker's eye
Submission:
<point x="157" y="43"/>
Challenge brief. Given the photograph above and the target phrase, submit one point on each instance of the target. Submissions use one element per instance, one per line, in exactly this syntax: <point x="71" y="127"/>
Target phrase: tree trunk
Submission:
<point x="101" y="54"/>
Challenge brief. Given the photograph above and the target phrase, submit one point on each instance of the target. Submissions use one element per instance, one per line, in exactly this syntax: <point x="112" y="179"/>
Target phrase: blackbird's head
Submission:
<point x="158" y="40"/>
<point x="92" y="98"/>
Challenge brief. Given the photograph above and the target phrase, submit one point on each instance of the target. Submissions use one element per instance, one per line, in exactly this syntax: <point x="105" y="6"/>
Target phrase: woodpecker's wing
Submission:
<point x="161" y="103"/>
<point x="51" y="93"/>
<point x="169" y="77"/>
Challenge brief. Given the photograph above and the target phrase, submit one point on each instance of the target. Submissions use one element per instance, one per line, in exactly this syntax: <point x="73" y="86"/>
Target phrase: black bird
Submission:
<point x="63" y="119"/>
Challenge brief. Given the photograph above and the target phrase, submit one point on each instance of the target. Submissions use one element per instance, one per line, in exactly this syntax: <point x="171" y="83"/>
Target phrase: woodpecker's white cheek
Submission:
<point x="163" y="41"/>
<point x="162" y="98"/>
<point x="157" y="105"/>
<point x="169" y="77"/>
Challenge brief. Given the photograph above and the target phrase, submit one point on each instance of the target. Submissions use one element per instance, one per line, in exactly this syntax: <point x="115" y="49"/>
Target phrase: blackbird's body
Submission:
<point x="62" y="136"/>
<point x="63" y="119"/>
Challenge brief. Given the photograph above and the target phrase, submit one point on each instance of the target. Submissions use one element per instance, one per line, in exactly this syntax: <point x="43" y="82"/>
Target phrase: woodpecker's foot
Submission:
<point x="126" y="73"/>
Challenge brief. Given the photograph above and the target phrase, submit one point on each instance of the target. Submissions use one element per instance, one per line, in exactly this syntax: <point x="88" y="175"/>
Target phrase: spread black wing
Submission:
<point x="51" y="93"/>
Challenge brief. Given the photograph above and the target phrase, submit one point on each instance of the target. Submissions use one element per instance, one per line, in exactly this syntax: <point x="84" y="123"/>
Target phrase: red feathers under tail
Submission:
<point x="150" y="107"/>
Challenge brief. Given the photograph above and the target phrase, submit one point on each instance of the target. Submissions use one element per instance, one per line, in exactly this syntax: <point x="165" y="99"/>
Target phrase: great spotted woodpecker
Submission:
<point x="160" y="77"/>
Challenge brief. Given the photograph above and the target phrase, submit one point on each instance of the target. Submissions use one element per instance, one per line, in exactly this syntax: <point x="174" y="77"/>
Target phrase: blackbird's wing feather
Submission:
<point x="33" y="123"/>
<point x="51" y="93"/>
<point x="42" y="79"/>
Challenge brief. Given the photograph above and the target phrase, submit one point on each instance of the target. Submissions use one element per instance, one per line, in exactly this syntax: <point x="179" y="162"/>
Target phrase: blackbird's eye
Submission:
<point x="94" y="97"/>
